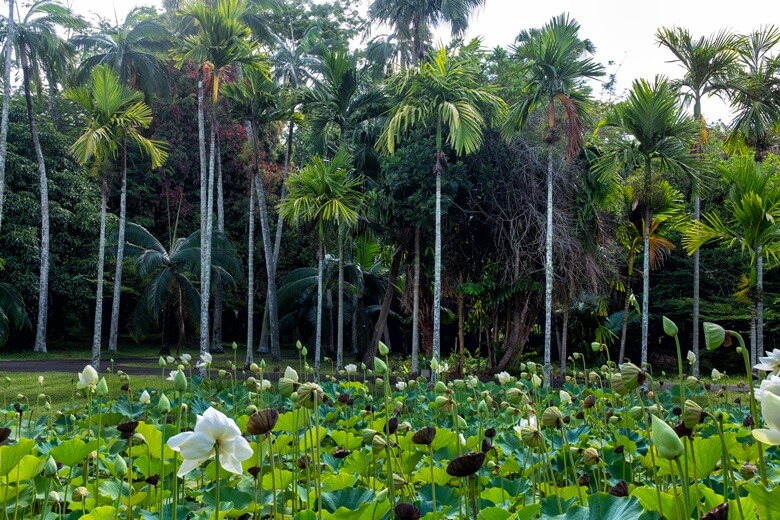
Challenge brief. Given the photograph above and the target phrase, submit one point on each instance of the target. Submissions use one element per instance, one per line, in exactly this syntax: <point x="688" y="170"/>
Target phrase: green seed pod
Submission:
<point x="440" y="388"/>
<point x="590" y="456"/>
<point x="665" y="440"/>
<point x="531" y="437"/>
<point x="714" y="335"/>
<point x="552" y="417"/>
<point x="632" y="376"/>
<point x="617" y="384"/>
<point x="693" y="414"/>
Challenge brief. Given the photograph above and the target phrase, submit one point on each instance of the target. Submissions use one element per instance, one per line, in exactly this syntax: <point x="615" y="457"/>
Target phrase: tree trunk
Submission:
<point x="646" y="268"/>
<point x="416" y="305"/>
<point x="270" y="266"/>
<point x="624" y="326"/>
<point x="438" y="169"/>
<point x="250" y="290"/>
<point x="98" y="330"/>
<point x="43" y="281"/>
<point x="515" y="337"/>
<point x="384" y="309"/>
<point x="216" y="336"/>
<point x="753" y="335"/>
<point x="205" y="285"/>
<point x="51" y="98"/>
<point x="204" y="198"/>
<point x="120" y="253"/>
<point x="340" y="318"/>
<point x="548" y="270"/>
<point x="696" y="289"/>
<point x="6" y="99"/>
<point x="318" y="332"/>
<point x="461" y="331"/>
<point x="759" y="307"/>
<point x="354" y="328"/>
<point x="182" y="330"/>
<point x="564" y="340"/>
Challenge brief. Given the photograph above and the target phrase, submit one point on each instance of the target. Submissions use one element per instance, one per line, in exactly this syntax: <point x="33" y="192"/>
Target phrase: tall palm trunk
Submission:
<point x="318" y="332"/>
<point x="624" y="325"/>
<point x="646" y="265"/>
<point x="384" y="309"/>
<point x="438" y="169"/>
<point x="120" y="253"/>
<point x="216" y="339"/>
<point x="98" y="330"/>
<point x="416" y="304"/>
<point x="759" y="307"/>
<point x="696" y="289"/>
<point x="340" y="317"/>
<point x="548" y="269"/>
<point x="564" y="352"/>
<point x="6" y="100"/>
<point x="43" y="282"/>
<point x="461" y="331"/>
<point x="204" y="310"/>
<point x="250" y="289"/>
<point x="753" y="328"/>
<point x="270" y="266"/>
<point x="205" y="290"/>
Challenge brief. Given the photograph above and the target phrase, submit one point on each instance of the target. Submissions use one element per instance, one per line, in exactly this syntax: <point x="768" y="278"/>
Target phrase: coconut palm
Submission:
<point x="135" y="50"/>
<point x="219" y="39"/>
<point x="707" y="62"/>
<point x="655" y="136"/>
<point x="36" y="41"/>
<point x="13" y="313"/>
<point x="556" y="63"/>
<point x="753" y="209"/>
<point x="171" y="274"/>
<point x="323" y="192"/>
<point x="447" y="94"/>
<point x="116" y="114"/>
<point x="8" y="56"/>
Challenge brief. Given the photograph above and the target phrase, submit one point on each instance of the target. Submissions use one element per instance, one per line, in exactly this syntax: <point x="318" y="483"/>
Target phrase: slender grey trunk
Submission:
<point x="43" y="281"/>
<point x="9" y="38"/>
<point x="205" y="290"/>
<point x="204" y="266"/>
<point x="548" y="270"/>
<point x="624" y="326"/>
<point x="753" y="338"/>
<point x="216" y="339"/>
<point x="250" y="303"/>
<point x="759" y="307"/>
<point x="98" y="330"/>
<point x="120" y="253"/>
<point x="340" y="316"/>
<point x="416" y="304"/>
<point x="318" y="333"/>
<point x="51" y="98"/>
<point x="270" y="266"/>
<point x="354" y="330"/>
<point x="436" y="349"/>
<point x="564" y="339"/>
<point x="646" y="268"/>
<point x="696" y="289"/>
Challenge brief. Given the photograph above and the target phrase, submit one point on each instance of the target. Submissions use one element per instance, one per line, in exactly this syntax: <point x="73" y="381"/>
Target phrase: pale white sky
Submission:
<point x="623" y="31"/>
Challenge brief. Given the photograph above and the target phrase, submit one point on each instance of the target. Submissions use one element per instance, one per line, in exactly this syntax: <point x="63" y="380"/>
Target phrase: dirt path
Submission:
<point x="132" y="366"/>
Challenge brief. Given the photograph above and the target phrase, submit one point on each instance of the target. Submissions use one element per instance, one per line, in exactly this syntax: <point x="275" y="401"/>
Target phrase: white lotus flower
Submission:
<point x="172" y="375"/>
<point x="565" y="397"/>
<point x="770" y="363"/>
<point x="770" y="409"/>
<point x="503" y="377"/>
<point x="691" y="357"/>
<point x="531" y="421"/>
<point x="213" y="430"/>
<point x="716" y="375"/>
<point x="186" y="358"/>
<point x="291" y="374"/>
<point x="265" y="385"/>
<point x="770" y="385"/>
<point x="88" y="378"/>
<point x="350" y="369"/>
<point x="400" y="386"/>
<point x="40" y="380"/>
<point x="205" y="360"/>
<point x="536" y="381"/>
<point x="443" y="368"/>
<point x="473" y="381"/>
<point x="170" y="360"/>
<point x="145" y="398"/>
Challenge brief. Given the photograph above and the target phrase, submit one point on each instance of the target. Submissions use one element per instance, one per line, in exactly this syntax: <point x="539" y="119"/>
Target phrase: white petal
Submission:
<point x="175" y="442"/>
<point x="217" y="425"/>
<point x="770" y="409"/>
<point x="232" y="453"/>
<point x="197" y="446"/>
<point x="770" y="437"/>
<point x="188" y="465"/>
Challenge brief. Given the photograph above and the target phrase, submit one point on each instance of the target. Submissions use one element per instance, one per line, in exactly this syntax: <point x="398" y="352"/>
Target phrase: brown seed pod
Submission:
<point x="341" y="453"/>
<point x="619" y="449"/>
<point x="584" y="480"/>
<point x="748" y="421"/>
<point x="424" y="435"/>
<point x="254" y="471"/>
<point x="589" y="401"/>
<point x="153" y="480"/>
<point x="490" y="433"/>
<point x="4" y="434"/>
<point x="720" y="512"/>
<point x="262" y="422"/>
<point x="486" y="446"/>
<point x="682" y="430"/>
<point x="392" y="426"/>
<point x="620" y="489"/>
<point x="407" y="512"/>
<point x="304" y="462"/>
<point x="465" y="465"/>
<point x="127" y="430"/>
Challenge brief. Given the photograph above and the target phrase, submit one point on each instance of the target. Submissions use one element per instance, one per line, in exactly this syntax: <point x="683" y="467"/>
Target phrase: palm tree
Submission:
<point x="707" y="61"/>
<point x="116" y="114"/>
<point x="556" y="64"/>
<point x="35" y="37"/>
<point x="13" y="313"/>
<point x="756" y="105"/>
<point x="415" y="19"/>
<point x="753" y="206"/>
<point x="221" y="38"/>
<point x="135" y="50"/>
<point x="655" y="136"/>
<point x="172" y="273"/>
<point x="321" y="193"/>
<point x="256" y="99"/>
<point x="8" y="55"/>
<point x="445" y="92"/>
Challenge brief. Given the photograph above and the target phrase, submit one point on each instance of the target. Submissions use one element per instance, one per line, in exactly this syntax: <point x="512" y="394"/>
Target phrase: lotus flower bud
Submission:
<point x="304" y="351"/>
<point x="54" y="497"/>
<point x="50" y="468"/>
<point x="666" y="440"/>
<point x="670" y="328"/>
<point x="379" y="366"/>
<point x="161" y="362"/>
<point x="180" y="381"/>
<point x="381" y="496"/>
<point x="102" y="387"/>
<point x="164" y="405"/>
<point x="383" y="349"/>
<point x="120" y="467"/>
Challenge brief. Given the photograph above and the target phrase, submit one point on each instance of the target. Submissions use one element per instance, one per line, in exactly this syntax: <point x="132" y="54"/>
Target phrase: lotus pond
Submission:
<point x="609" y="445"/>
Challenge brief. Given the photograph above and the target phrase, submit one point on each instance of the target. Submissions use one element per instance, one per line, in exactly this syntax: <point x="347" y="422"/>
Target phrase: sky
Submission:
<point x="622" y="31"/>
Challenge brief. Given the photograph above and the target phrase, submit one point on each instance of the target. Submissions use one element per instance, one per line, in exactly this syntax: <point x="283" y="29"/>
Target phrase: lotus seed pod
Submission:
<point x="595" y="346"/>
<point x="536" y="380"/>
<point x="569" y="380"/>
<point x="79" y="494"/>
<point x="714" y="335"/>
<point x="576" y="355"/>
<point x="262" y="422"/>
<point x="590" y="456"/>
<point x="47" y="406"/>
<point x="287" y="386"/>
<point x="614" y="419"/>
<point x="552" y="417"/>
<point x="54" y="497"/>
<point x="251" y="381"/>
<point x="748" y="471"/>
<point x="404" y="427"/>
<point x="251" y="409"/>
<point x="514" y="395"/>
<point x="635" y="412"/>
<point x="693" y="414"/>
<point x="459" y="385"/>
<point x="589" y="401"/>
<point x="379" y="381"/>
<point x="381" y="496"/>
<point x="310" y="394"/>
<point x="665" y="440"/>
<point x="398" y="481"/>
<point x="368" y="435"/>
<point x="691" y="382"/>
<point x="531" y="437"/>
<point x="254" y="367"/>
<point x="412" y="384"/>
<point x="383" y="349"/>
<point x="670" y="328"/>
<point x="378" y="443"/>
